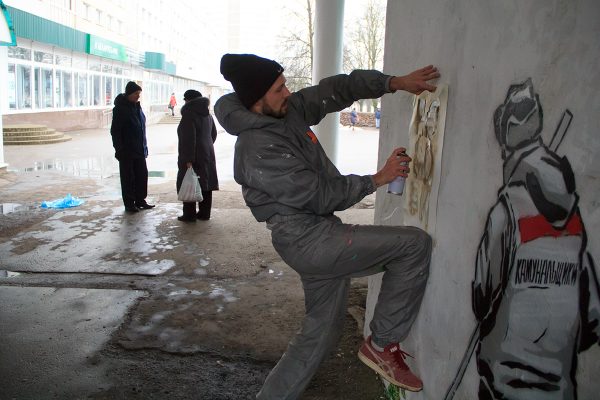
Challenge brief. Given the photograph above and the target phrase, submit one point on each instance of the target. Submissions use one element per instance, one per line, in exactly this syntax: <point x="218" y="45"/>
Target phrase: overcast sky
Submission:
<point x="262" y="23"/>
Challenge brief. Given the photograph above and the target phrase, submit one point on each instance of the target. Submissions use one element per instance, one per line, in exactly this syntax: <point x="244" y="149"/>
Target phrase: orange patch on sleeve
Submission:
<point x="312" y="136"/>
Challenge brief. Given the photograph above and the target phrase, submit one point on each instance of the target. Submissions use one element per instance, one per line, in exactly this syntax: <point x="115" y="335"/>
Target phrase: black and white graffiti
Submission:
<point x="535" y="293"/>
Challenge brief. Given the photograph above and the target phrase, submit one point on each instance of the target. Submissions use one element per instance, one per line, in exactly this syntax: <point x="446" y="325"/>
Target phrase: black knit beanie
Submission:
<point x="251" y="76"/>
<point x="191" y="94"/>
<point x="131" y="87"/>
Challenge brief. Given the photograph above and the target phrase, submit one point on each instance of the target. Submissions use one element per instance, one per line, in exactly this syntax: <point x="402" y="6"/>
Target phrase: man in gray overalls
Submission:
<point x="289" y="183"/>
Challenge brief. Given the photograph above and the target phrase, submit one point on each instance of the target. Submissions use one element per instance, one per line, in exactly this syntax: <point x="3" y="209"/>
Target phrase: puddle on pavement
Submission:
<point x="7" y="208"/>
<point x="8" y="274"/>
<point x="92" y="167"/>
<point x="71" y="242"/>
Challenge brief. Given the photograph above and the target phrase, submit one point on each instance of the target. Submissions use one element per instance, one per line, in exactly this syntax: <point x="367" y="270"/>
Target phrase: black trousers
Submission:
<point x="189" y="208"/>
<point x="134" y="181"/>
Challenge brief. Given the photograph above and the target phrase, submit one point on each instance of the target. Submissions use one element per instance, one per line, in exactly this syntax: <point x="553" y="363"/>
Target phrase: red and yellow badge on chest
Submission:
<point x="312" y="136"/>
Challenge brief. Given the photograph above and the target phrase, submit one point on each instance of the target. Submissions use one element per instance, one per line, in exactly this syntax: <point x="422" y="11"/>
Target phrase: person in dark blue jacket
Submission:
<point x="128" y="132"/>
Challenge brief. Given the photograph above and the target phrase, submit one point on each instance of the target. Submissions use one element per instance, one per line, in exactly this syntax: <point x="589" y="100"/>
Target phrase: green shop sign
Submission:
<point x="105" y="48"/>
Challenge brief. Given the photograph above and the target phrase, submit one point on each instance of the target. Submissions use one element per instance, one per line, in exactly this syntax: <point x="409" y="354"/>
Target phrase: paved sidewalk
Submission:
<point x="102" y="304"/>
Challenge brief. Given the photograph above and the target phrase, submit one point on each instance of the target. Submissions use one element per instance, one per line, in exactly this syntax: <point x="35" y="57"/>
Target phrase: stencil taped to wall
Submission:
<point x="426" y="141"/>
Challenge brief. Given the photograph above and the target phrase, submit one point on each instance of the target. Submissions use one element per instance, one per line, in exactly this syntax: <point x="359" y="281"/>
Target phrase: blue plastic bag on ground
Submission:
<point x="67" y="202"/>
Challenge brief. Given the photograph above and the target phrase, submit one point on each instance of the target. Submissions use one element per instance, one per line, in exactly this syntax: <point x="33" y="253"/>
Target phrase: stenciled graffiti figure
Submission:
<point x="535" y="293"/>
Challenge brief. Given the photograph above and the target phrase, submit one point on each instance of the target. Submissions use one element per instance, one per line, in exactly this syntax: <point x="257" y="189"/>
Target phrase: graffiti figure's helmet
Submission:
<point x="518" y="121"/>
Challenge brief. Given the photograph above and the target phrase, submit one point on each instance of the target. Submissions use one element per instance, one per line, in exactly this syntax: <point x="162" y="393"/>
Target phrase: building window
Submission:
<point x="67" y="89"/>
<point x="119" y="86"/>
<point x="63" y="89"/>
<point x="80" y="62"/>
<point x="81" y="84"/>
<point x="46" y="87"/>
<point x="96" y="89"/>
<point x="19" y="53"/>
<point x="37" y="84"/>
<point x="109" y="90"/>
<point x="23" y="86"/>
<point x="95" y="66"/>
<point x="63" y="60"/>
<point x="42" y="57"/>
<point x="43" y="87"/>
<point x="12" y="87"/>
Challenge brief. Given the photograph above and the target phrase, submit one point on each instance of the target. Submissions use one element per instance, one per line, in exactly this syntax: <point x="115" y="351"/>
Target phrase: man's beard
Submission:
<point x="267" y="110"/>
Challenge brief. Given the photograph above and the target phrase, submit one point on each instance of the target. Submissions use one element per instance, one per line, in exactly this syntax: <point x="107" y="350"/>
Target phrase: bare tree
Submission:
<point x="298" y="49"/>
<point x="365" y="50"/>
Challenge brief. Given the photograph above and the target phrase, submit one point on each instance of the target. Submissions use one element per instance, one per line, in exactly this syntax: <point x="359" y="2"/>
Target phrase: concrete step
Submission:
<point x="24" y="128"/>
<point x="31" y="134"/>
<point x="170" y="119"/>
<point x="43" y="140"/>
<point x="47" y="131"/>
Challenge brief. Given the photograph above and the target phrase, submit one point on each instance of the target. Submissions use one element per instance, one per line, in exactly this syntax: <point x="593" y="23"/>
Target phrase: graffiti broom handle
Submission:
<point x="463" y="364"/>
<point x="561" y="130"/>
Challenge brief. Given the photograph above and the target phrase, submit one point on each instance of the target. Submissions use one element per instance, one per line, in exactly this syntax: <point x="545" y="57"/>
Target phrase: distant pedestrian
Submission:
<point x="353" y="118"/>
<point x="377" y="118"/>
<point x="197" y="133"/>
<point x="128" y="131"/>
<point x="172" y="104"/>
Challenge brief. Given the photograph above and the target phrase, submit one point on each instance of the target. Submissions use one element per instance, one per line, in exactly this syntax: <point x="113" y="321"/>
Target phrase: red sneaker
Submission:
<point x="390" y="365"/>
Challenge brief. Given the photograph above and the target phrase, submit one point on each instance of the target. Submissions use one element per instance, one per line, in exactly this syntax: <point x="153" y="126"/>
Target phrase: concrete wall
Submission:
<point x="63" y="121"/>
<point x="481" y="49"/>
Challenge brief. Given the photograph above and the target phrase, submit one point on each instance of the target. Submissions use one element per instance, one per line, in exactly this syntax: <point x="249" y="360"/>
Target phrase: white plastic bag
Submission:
<point x="190" y="190"/>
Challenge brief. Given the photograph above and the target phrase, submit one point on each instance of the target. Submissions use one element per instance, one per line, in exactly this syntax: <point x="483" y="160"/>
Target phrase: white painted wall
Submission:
<point x="3" y="89"/>
<point x="481" y="48"/>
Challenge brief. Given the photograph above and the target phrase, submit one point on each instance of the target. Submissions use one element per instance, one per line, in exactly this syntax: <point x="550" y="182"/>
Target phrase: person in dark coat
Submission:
<point x="197" y="133"/>
<point x="128" y="132"/>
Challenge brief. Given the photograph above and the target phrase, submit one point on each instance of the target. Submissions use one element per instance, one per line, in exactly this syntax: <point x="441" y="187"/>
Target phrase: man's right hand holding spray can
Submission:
<point x="394" y="171"/>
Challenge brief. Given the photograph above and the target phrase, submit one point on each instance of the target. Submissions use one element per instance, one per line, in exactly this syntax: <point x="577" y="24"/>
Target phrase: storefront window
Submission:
<point x="36" y="87"/>
<point x="63" y="60"/>
<point x="46" y="87"/>
<point x="79" y="62"/>
<point x="67" y="89"/>
<point x="19" y="52"/>
<point x="96" y="89"/>
<point x="109" y="90"/>
<point x="40" y="56"/>
<point x="95" y="66"/>
<point x="23" y="86"/>
<point x="58" y="84"/>
<point x="82" y="88"/>
<point x="12" y="86"/>
<point x="43" y="88"/>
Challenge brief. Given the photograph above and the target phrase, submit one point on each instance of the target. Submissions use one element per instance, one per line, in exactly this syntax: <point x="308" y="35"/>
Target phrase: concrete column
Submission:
<point x="3" y="90"/>
<point x="329" y="25"/>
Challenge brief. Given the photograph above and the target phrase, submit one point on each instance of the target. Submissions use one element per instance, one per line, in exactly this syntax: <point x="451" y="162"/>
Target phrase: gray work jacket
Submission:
<point x="280" y="163"/>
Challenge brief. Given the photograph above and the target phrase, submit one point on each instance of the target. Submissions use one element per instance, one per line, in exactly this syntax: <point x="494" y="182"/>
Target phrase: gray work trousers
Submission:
<point x="327" y="253"/>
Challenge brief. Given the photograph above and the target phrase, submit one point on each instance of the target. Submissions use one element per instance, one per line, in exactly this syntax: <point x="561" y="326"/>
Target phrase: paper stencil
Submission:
<point x="426" y="142"/>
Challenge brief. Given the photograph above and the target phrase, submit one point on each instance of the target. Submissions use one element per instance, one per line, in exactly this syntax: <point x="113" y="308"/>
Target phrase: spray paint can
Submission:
<point x="397" y="185"/>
